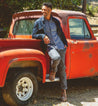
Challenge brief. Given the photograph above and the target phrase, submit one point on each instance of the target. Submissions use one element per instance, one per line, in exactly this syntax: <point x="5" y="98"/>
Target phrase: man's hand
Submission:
<point x="46" y="40"/>
<point x="65" y="46"/>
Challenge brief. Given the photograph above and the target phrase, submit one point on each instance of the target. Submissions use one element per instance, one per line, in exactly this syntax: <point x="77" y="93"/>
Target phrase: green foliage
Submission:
<point x="92" y="10"/>
<point x="8" y="7"/>
<point x="77" y="2"/>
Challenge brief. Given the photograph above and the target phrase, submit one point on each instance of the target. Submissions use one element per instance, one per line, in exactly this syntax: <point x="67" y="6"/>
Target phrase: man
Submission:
<point x="48" y="28"/>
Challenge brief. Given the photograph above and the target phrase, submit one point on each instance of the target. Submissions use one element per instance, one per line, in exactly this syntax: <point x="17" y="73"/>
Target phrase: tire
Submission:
<point x="21" y="90"/>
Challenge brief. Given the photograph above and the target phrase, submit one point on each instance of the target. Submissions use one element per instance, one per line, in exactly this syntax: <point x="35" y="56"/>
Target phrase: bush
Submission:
<point x="91" y="10"/>
<point x="7" y="8"/>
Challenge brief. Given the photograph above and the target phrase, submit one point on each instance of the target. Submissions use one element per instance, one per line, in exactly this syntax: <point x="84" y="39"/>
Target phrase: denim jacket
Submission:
<point x="38" y="30"/>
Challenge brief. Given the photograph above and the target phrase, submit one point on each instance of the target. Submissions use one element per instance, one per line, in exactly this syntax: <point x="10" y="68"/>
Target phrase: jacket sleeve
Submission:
<point x="36" y="32"/>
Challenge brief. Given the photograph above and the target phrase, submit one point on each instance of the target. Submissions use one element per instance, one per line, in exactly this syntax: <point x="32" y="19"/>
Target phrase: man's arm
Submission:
<point x="36" y="32"/>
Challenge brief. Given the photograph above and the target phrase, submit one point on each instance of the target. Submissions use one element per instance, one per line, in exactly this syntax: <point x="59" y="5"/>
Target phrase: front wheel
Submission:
<point x="21" y="89"/>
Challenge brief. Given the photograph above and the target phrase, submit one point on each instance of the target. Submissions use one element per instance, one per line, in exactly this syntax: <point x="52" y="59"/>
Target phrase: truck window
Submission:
<point x="78" y="29"/>
<point x="23" y="27"/>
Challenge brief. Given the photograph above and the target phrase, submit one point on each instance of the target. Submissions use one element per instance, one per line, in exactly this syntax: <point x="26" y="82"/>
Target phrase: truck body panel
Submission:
<point x="84" y="59"/>
<point x="9" y="56"/>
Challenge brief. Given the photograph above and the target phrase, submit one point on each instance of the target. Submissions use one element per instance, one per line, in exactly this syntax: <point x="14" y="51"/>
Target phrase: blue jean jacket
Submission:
<point x="38" y="30"/>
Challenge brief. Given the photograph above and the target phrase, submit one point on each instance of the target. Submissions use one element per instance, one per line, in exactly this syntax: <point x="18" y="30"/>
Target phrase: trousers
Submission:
<point x="58" y="64"/>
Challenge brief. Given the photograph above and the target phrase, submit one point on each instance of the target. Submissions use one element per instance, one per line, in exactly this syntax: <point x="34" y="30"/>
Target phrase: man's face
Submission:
<point x="46" y="11"/>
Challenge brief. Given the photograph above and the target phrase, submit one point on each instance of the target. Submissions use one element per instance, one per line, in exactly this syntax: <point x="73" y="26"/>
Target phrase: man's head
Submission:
<point x="46" y="10"/>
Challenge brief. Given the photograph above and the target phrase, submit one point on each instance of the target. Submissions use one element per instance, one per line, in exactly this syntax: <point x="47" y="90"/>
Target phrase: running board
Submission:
<point x="47" y="79"/>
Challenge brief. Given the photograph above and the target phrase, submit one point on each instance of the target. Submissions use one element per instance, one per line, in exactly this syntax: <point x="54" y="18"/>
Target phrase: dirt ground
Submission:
<point x="93" y="20"/>
<point x="81" y="92"/>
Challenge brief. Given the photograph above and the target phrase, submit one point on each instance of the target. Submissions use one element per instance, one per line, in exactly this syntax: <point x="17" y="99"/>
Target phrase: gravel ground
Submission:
<point x="93" y="21"/>
<point x="81" y="92"/>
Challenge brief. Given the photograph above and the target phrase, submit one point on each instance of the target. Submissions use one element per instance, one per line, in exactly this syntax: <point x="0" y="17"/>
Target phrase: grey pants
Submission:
<point x="58" y="64"/>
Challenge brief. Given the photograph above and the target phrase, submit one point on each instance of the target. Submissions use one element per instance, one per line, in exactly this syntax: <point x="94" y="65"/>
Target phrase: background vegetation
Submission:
<point x="8" y="7"/>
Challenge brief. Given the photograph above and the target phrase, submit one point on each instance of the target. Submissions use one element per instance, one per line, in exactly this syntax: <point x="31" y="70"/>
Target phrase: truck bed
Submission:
<point x="6" y="44"/>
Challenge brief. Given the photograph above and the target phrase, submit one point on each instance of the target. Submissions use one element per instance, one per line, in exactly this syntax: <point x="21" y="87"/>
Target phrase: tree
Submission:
<point x="8" y="7"/>
<point x="84" y="6"/>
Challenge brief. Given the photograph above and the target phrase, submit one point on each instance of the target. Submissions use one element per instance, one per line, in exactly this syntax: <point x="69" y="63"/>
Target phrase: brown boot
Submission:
<point x="64" y="95"/>
<point x="52" y="75"/>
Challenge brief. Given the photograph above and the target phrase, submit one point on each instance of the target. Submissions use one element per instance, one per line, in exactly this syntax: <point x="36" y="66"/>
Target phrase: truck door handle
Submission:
<point x="74" y="42"/>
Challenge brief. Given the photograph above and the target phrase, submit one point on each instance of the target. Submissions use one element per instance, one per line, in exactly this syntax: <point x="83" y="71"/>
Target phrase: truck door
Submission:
<point x="82" y="48"/>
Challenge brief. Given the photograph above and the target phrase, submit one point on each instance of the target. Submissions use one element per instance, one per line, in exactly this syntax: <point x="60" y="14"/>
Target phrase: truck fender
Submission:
<point x="10" y="56"/>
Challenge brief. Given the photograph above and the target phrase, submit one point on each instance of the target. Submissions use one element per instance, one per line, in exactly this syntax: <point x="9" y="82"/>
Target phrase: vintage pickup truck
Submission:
<point x="24" y="62"/>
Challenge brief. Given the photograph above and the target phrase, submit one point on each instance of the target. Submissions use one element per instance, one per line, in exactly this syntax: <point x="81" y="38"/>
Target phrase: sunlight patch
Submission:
<point x="96" y="99"/>
<point x="89" y="104"/>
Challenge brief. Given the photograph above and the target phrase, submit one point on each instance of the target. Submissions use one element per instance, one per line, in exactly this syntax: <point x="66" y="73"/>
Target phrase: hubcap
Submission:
<point x="24" y="88"/>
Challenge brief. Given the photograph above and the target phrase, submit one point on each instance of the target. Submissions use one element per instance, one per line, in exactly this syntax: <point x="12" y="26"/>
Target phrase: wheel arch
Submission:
<point x="27" y="62"/>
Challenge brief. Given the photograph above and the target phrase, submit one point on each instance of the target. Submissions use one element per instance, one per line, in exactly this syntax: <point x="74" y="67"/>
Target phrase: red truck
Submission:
<point x="24" y="62"/>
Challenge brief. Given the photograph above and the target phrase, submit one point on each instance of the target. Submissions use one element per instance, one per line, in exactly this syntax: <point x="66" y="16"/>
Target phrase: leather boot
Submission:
<point x="63" y="95"/>
<point x="52" y="75"/>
